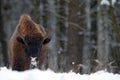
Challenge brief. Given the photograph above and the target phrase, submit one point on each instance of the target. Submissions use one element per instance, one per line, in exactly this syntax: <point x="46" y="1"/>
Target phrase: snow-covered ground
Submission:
<point x="7" y="74"/>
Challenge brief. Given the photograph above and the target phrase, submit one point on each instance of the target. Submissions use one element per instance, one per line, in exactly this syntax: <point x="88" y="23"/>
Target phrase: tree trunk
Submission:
<point x="102" y="46"/>
<point x="116" y="29"/>
<point x="62" y="33"/>
<point x="52" y="56"/>
<point x="74" y="52"/>
<point x="3" y="41"/>
<point x="87" y="41"/>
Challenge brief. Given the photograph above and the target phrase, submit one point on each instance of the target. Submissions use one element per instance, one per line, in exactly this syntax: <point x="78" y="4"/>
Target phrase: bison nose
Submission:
<point x="33" y="62"/>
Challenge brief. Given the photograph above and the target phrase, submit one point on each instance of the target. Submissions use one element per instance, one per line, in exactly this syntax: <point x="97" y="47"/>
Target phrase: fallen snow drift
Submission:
<point x="7" y="74"/>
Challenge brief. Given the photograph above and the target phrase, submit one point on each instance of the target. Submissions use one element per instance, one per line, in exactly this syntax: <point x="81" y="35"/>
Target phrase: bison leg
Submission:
<point x="19" y="64"/>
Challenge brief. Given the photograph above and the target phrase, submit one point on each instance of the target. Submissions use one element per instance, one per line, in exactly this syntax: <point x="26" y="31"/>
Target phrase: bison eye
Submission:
<point x="19" y="39"/>
<point x="47" y="40"/>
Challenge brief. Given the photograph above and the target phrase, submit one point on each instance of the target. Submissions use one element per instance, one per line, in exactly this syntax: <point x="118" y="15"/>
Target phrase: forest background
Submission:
<point x="85" y="34"/>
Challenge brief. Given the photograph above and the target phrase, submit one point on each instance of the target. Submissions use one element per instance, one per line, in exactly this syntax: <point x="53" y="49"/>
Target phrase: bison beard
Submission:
<point x="28" y="45"/>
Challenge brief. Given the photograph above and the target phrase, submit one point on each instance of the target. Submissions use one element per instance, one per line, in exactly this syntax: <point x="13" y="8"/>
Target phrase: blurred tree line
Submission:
<point x="85" y="34"/>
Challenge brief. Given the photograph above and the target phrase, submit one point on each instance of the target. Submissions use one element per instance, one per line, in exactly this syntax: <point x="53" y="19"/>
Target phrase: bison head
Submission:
<point x="33" y="43"/>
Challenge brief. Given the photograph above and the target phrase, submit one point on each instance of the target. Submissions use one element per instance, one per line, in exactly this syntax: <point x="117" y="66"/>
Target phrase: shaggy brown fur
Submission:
<point x="30" y="31"/>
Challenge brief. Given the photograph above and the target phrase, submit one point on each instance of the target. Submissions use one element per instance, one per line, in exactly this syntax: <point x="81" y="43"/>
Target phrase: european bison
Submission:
<point x="28" y="45"/>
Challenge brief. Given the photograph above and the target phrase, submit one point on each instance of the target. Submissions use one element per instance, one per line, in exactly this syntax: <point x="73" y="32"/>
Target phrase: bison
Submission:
<point x="28" y="45"/>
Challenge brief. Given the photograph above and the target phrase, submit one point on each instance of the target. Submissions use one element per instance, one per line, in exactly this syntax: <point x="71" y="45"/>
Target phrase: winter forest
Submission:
<point x="85" y="34"/>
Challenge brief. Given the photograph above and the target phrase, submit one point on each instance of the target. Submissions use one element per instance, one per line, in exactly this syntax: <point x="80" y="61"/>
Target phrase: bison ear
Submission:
<point x="19" y="39"/>
<point x="47" y="40"/>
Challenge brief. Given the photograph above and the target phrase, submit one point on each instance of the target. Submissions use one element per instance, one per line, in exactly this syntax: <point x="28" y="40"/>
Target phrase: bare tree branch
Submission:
<point x="72" y="23"/>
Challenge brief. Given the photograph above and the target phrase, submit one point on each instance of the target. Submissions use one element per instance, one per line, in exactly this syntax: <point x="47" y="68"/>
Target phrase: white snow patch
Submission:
<point x="106" y="2"/>
<point x="7" y="74"/>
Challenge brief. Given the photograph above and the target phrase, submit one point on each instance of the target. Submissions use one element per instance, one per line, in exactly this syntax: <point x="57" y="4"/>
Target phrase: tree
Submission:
<point x="62" y="30"/>
<point x="52" y="57"/>
<point x="87" y="40"/>
<point x="75" y="41"/>
<point x="3" y="43"/>
<point x="115" y="27"/>
<point x="102" y="40"/>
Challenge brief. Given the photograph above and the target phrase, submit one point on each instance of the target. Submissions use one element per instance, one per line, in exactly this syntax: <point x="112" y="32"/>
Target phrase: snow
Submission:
<point x="106" y="2"/>
<point x="8" y="74"/>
